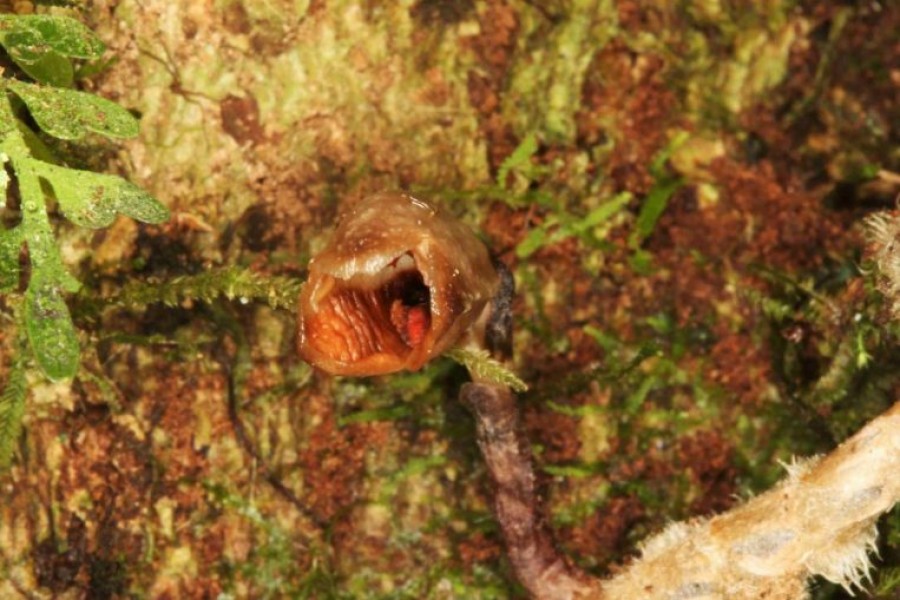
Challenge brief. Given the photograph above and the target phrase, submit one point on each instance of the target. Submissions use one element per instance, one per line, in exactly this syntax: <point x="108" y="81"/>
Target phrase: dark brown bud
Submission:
<point x="399" y="283"/>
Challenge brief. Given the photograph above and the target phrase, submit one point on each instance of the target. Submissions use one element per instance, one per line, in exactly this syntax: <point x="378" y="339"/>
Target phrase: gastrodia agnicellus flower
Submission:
<point x="399" y="283"/>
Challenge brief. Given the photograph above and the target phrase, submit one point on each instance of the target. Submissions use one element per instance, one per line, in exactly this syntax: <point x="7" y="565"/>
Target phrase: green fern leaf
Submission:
<point x="42" y="46"/>
<point x="483" y="367"/>
<point x="231" y="282"/>
<point x="520" y="157"/>
<point x="93" y="200"/>
<point x="29" y="37"/>
<point x="51" y="69"/>
<point x="50" y="330"/>
<point x="70" y="115"/>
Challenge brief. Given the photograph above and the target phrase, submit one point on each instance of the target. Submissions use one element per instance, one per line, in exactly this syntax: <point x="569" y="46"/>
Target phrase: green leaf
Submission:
<point x="652" y="209"/>
<point x="12" y="407"/>
<point x="603" y="212"/>
<point x="520" y="156"/>
<point x="605" y="340"/>
<point x="46" y="316"/>
<point x="29" y="37"/>
<point x="636" y="399"/>
<point x="70" y="115"/>
<point x="657" y="166"/>
<point x="52" y="69"/>
<point x="43" y="251"/>
<point x="35" y="145"/>
<point x="532" y="242"/>
<point x="482" y="366"/>
<point x="50" y="329"/>
<point x="641" y="262"/>
<point x="93" y="200"/>
<point x="658" y="197"/>
<point x="541" y="236"/>
<point x="10" y="247"/>
<point x="574" y="471"/>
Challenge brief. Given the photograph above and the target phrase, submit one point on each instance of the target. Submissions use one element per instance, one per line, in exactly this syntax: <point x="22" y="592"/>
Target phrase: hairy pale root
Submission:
<point x="883" y="230"/>
<point x="819" y="521"/>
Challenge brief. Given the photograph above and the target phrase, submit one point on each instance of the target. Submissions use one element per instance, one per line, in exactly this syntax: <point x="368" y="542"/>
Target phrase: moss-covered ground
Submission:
<point x="677" y="186"/>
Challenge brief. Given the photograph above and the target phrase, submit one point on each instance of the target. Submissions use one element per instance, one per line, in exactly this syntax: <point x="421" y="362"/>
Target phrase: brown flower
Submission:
<point x="399" y="283"/>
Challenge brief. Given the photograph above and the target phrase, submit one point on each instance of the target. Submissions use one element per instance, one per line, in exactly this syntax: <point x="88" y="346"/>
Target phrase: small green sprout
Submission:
<point x="657" y="199"/>
<point x="563" y="225"/>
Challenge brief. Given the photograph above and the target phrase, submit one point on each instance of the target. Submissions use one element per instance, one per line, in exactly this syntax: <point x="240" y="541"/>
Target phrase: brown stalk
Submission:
<point x="507" y="455"/>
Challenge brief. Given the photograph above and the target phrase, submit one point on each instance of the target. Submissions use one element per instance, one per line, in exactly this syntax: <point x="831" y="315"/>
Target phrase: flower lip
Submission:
<point x="400" y="282"/>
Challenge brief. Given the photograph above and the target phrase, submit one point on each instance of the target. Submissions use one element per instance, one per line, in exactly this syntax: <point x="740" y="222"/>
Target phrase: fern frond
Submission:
<point x="231" y="282"/>
<point x="485" y="369"/>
